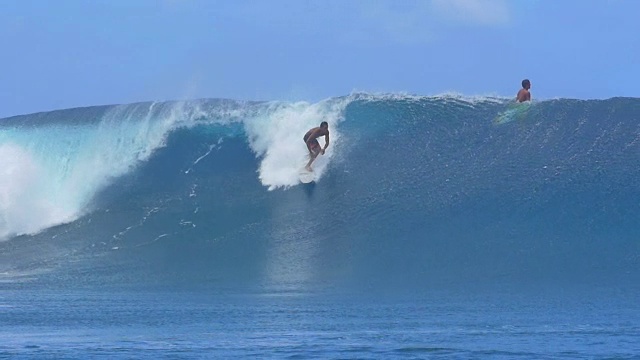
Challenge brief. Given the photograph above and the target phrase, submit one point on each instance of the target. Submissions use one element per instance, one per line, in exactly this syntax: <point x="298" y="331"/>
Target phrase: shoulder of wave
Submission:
<point x="446" y="96"/>
<point x="610" y="99"/>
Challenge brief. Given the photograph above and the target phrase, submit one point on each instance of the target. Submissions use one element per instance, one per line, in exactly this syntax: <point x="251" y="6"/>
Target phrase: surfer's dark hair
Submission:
<point x="324" y="123"/>
<point x="525" y="82"/>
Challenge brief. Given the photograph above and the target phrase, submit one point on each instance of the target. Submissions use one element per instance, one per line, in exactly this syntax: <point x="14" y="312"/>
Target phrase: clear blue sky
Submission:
<point x="68" y="53"/>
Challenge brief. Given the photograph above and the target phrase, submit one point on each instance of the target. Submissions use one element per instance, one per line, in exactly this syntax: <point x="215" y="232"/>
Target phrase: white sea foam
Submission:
<point x="275" y="135"/>
<point x="25" y="202"/>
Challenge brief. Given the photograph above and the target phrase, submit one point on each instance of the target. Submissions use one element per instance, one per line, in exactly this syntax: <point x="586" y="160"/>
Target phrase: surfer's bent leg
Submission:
<point x="314" y="151"/>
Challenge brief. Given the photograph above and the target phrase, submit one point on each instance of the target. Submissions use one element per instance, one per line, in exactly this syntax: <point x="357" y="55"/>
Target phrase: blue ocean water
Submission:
<point x="439" y="227"/>
<point x="141" y="324"/>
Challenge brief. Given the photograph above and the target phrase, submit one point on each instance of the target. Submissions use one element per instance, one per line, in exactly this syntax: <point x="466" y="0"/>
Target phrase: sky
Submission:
<point x="72" y="53"/>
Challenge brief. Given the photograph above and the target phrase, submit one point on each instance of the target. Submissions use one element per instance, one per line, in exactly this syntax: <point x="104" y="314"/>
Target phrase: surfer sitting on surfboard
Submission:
<point x="524" y="94"/>
<point x="311" y="139"/>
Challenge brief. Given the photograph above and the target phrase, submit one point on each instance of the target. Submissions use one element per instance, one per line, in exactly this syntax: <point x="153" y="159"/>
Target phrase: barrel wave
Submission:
<point x="413" y="192"/>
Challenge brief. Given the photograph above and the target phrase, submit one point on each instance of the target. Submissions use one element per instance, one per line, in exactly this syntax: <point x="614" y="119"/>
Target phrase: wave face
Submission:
<point x="412" y="191"/>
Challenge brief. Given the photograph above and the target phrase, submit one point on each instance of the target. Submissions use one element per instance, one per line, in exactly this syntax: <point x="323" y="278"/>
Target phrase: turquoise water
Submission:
<point x="180" y="229"/>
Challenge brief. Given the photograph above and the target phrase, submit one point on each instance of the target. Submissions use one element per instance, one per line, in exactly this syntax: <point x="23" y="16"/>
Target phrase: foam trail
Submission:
<point x="211" y="148"/>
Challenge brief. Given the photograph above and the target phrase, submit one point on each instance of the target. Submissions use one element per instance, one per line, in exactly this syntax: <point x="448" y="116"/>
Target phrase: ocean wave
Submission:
<point x="417" y="183"/>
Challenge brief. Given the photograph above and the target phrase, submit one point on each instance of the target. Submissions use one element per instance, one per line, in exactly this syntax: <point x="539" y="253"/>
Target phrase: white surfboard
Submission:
<point x="306" y="176"/>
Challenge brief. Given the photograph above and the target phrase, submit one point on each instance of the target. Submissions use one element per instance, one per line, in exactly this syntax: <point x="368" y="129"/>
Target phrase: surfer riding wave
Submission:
<point x="311" y="140"/>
